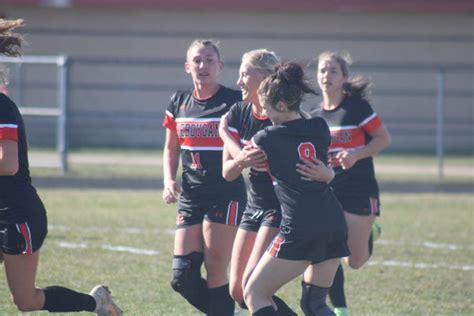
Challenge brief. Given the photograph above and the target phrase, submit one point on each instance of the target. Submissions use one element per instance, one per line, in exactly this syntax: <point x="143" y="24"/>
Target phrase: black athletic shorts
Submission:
<point x="222" y="211"/>
<point x="316" y="248"/>
<point x="253" y="218"/>
<point x="363" y="206"/>
<point x="25" y="237"/>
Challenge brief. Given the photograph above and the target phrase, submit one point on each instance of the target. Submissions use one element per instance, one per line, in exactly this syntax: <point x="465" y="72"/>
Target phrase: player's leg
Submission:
<point x="337" y="294"/>
<point x="269" y="275"/>
<point x="265" y="235"/>
<point x="187" y="262"/>
<point x="317" y="280"/>
<point x="241" y="251"/>
<point x="218" y="241"/>
<point x="359" y="231"/>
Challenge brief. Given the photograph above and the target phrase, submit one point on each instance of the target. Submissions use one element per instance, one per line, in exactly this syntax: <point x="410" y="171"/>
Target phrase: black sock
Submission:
<point x="61" y="299"/>
<point x="282" y="308"/>
<point x="221" y="303"/>
<point x="371" y="245"/>
<point x="313" y="300"/>
<point x="336" y="292"/>
<point x="266" y="311"/>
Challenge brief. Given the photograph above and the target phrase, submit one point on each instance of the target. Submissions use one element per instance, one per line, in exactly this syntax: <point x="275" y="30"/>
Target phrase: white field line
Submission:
<point x="138" y="230"/>
<point x="137" y="251"/>
<point x="389" y="263"/>
<point x="420" y="265"/>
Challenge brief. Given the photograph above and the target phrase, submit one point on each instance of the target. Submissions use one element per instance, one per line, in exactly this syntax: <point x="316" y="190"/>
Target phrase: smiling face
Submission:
<point x="330" y="76"/>
<point x="203" y="64"/>
<point x="249" y="81"/>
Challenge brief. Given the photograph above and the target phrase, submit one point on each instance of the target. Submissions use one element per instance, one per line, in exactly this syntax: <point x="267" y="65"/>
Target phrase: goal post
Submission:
<point x="59" y="110"/>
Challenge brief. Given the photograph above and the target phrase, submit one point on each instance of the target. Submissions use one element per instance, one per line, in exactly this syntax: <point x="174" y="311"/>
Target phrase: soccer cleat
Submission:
<point x="105" y="304"/>
<point x="376" y="231"/>
<point x="341" y="311"/>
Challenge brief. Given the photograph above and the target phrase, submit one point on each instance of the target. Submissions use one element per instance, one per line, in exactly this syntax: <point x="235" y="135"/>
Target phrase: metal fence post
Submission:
<point x="63" y="66"/>
<point x="441" y="79"/>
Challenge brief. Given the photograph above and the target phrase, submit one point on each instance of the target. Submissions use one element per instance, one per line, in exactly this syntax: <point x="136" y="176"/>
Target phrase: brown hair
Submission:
<point x="10" y="43"/>
<point x="355" y="86"/>
<point x="287" y="84"/>
<point x="204" y="42"/>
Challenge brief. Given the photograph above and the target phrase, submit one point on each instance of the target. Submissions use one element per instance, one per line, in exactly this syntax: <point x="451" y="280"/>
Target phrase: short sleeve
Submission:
<point x="8" y="120"/>
<point x="369" y="120"/>
<point x="169" y="119"/>
<point x="233" y="118"/>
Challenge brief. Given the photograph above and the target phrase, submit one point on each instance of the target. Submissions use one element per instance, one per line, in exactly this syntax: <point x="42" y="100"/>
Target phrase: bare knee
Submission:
<point x="357" y="262"/>
<point x="236" y="293"/>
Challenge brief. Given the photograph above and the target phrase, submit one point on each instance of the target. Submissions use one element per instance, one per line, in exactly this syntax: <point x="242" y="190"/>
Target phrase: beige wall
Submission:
<point x="116" y="115"/>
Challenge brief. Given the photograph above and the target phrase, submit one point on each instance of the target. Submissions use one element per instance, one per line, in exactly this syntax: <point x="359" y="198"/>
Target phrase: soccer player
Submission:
<point x="210" y="208"/>
<point x="357" y="134"/>
<point x="313" y="231"/>
<point x="23" y="221"/>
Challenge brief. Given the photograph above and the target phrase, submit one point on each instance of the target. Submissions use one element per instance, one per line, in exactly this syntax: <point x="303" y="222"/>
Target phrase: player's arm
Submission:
<point x="247" y="157"/>
<point x="9" y="164"/>
<point x="170" y="167"/>
<point x="233" y="146"/>
<point x="381" y="139"/>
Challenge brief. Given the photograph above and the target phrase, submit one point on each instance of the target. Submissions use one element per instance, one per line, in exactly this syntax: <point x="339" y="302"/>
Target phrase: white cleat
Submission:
<point x="105" y="304"/>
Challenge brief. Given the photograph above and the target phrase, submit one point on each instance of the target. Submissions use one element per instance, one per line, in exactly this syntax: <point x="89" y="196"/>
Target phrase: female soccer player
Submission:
<point x="357" y="134"/>
<point x="210" y="208"/>
<point x="261" y="220"/>
<point x="313" y="231"/>
<point x="23" y="222"/>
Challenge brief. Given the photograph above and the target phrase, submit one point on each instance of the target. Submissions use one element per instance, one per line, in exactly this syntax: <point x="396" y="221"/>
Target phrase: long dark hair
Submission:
<point x="10" y="43"/>
<point x="356" y="86"/>
<point x="287" y="84"/>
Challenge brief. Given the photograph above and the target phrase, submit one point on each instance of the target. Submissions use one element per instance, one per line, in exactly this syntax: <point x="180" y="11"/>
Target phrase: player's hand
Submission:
<point x="171" y="192"/>
<point x="314" y="170"/>
<point x="250" y="156"/>
<point x="347" y="158"/>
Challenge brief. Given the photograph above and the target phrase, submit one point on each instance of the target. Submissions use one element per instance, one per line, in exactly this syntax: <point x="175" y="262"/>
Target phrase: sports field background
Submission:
<point x="108" y="224"/>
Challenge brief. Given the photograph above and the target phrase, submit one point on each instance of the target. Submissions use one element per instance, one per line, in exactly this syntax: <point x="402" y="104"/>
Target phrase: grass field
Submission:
<point x="423" y="263"/>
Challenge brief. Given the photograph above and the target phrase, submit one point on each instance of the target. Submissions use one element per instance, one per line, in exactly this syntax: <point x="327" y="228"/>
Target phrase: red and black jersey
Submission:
<point x="17" y="195"/>
<point x="243" y="125"/>
<point x="197" y="124"/>
<point x="351" y="124"/>
<point x="307" y="206"/>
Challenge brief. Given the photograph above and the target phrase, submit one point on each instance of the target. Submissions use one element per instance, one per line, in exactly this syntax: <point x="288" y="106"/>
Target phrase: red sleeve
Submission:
<point x="9" y="131"/>
<point x="169" y="121"/>
<point x="370" y="124"/>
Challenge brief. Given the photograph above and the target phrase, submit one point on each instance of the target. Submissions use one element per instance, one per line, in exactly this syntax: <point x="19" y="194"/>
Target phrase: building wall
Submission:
<point x="127" y="63"/>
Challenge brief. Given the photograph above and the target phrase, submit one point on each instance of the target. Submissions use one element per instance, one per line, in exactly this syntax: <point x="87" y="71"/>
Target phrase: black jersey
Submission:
<point x="243" y="125"/>
<point x="17" y="195"/>
<point x="307" y="206"/>
<point x="197" y="124"/>
<point x="351" y="124"/>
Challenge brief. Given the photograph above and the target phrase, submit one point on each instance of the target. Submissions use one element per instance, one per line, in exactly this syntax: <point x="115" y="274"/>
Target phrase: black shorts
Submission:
<point x="363" y="206"/>
<point x="25" y="237"/>
<point x="253" y="218"/>
<point x="222" y="211"/>
<point x="316" y="248"/>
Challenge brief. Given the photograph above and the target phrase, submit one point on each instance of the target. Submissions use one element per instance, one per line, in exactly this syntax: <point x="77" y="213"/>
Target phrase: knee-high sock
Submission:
<point x="61" y="299"/>
<point x="220" y="301"/>
<point x="336" y="292"/>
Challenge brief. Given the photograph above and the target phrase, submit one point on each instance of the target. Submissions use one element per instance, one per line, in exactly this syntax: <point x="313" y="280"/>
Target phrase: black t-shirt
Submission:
<point x="243" y="125"/>
<point x="16" y="192"/>
<point x="351" y="124"/>
<point x="197" y="124"/>
<point x="307" y="206"/>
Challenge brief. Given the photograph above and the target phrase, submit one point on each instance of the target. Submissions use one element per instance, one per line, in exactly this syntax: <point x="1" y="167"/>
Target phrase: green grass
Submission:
<point x="140" y="283"/>
<point x="115" y="163"/>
